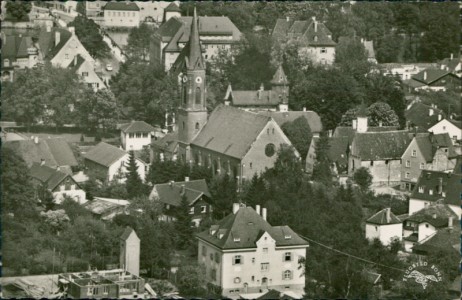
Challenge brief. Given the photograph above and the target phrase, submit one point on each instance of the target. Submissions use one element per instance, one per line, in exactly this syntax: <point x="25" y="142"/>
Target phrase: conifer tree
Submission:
<point x="134" y="184"/>
<point x="183" y="223"/>
<point x="321" y="170"/>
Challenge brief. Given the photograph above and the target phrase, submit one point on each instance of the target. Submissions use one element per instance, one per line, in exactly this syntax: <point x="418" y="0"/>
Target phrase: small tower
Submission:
<point x="280" y="86"/>
<point x="192" y="113"/>
<point x="361" y="119"/>
<point x="172" y="10"/>
<point x="130" y="252"/>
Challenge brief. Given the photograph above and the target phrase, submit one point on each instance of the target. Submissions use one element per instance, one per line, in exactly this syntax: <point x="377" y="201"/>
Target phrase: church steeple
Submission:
<point x="280" y="85"/>
<point x="195" y="61"/>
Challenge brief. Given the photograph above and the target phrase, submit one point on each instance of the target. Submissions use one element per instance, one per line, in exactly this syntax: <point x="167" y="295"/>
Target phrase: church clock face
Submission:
<point x="198" y="80"/>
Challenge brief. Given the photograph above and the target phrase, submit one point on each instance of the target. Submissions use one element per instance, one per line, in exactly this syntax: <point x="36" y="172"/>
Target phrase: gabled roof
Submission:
<point x="136" y="126"/>
<point x="171" y="193"/>
<point x="380" y="218"/>
<point x="101" y="206"/>
<point x="127" y="232"/>
<point x="289" y="116"/>
<point x="313" y="33"/>
<point x="384" y="145"/>
<point x="443" y="239"/>
<point x="430" y="180"/>
<point x="274" y="294"/>
<point x="173" y="7"/>
<point x="49" y="176"/>
<point x="16" y="46"/>
<point x="279" y="78"/>
<point x="247" y="227"/>
<point x="168" y="143"/>
<point x="231" y="131"/>
<point x="254" y="98"/>
<point x="121" y="5"/>
<point x="436" y="214"/>
<point x="56" y="152"/>
<point x="46" y="41"/>
<point x="433" y="74"/>
<point x="429" y="143"/>
<point x="419" y="115"/>
<point x="451" y="64"/>
<point x="456" y="123"/>
<point x="105" y="154"/>
<point x="349" y="131"/>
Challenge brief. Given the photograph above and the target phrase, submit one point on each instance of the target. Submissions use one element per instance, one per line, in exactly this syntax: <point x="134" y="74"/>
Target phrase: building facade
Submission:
<point x="136" y="135"/>
<point x="244" y="254"/>
<point x="451" y="127"/>
<point x="130" y="252"/>
<point x="121" y="14"/>
<point x="385" y="226"/>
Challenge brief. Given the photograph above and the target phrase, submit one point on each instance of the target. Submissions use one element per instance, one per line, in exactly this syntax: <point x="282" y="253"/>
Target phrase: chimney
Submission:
<point x="287" y="19"/>
<point x="439" y="117"/>
<point x="186" y="179"/>
<point x="380" y="123"/>
<point x="315" y="24"/>
<point x="257" y="208"/>
<point x="58" y="168"/>
<point x="431" y="112"/>
<point x="42" y="162"/>
<point x="425" y="75"/>
<point x="263" y="213"/>
<point x="388" y="214"/>
<point x="171" y="183"/>
<point x="452" y="55"/>
<point x="440" y="185"/>
<point x="36" y="140"/>
<point x="434" y="216"/>
<point x="442" y="67"/>
<point x="304" y="108"/>
<point x="450" y="222"/>
<point x="57" y="38"/>
<point x="71" y="30"/>
<point x="235" y="207"/>
<point x="354" y="124"/>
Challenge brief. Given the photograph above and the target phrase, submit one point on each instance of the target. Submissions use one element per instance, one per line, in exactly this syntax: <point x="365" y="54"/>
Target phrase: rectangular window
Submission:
<point x="323" y="50"/>
<point x="191" y="210"/>
<point x="91" y="291"/>
<point x="422" y="166"/>
<point x="203" y="209"/>
<point x="131" y="135"/>
<point x="85" y="74"/>
<point x="454" y="137"/>
<point x="211" y="256"/>
<point x="213" y="274"/>
<point x="421" y="189"/>
<point x="105" y="290"/>
<point x="265" y="266"/>
<point x="408" y="163"/>
<point x="287" y="256"/>
<point x="414" y="153"/>
<point x="430" y="191"/>
<point x="265" y="250"/>
<point x="407" y="175"/>
<point x="237" y="260"/>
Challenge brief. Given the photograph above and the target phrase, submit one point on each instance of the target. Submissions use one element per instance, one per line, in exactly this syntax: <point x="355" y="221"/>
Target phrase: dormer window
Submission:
<point x="430" y="191"/>
<point x="237" y="239"/>
<point x="287" y="236"/>
<point x="220" y="235"/>
<point x="421" y="189"/>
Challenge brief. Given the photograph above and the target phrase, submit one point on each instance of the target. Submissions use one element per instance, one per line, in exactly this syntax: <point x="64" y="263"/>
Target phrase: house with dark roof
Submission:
<point x="18" y="52"/>
<point x="136" y="135"/>
<point x="216" y="33"/>
<point x="404" y="71"/>
<point x="60" y="184"/>
<point x="166" y="147"/>
<point x="86" y="72"/>
<point x="436" y="186"/>
<point x="451" y="64"/>
<point x="121" y="14"/>
<point x="107" y="162"/>
<point x="313" y="39"/>
<point x="433" y="79"/>
<point x="426" y="222"/>
<point x="59" y="46"/>
<point x="385" y="226"/>
<point x="55" y="152"/>
<point x="172" y="10"/>
<point x="339" y="148"/>
<point x="449" y="126"/>
<point x="426" y="151"/>
<point x="281" y="118"/>
<point x="446" y="239"/>
<point x="421" y="117"/>
<point x="106" y="208"/>
<point x="244" y="240"/>
<point x="171" y="194"/>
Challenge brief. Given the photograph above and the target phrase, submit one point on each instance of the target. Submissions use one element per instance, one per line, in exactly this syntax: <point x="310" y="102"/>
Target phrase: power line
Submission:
<point x="350" y="255"/>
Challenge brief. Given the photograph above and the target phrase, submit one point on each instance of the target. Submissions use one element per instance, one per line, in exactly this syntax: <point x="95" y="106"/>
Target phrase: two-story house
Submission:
<point x="243" y="254"/>
<point x="86" y="72"/>
<point x="136" y="135"/>
<point x="451" y="127"/>
<point x="426" y="151"/>
<point x="421" y="117"/>
<point x="385" y="226"/>
<point x="60" y="184"/>
<point x="171" y="194"/>
<point x="425" y="223"/>
<point x="312" y="38"/>
<point x="434" y="186"/>
<point x="18" y="52"/>
<point x="452" y="64"/>
<point x="121" y="14"/>
<point x="433" y="79"/>
<point x="106" y="163"/>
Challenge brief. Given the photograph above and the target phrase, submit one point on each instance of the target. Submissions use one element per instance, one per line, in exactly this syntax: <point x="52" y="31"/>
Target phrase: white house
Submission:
<point x="244" y="254"/>
<point x="107" y="163"/>
<point x="136" y="135"/>
<point x="121" y="14"/>
<point x="86" y="72"/>
<point x="451" y="127"/>
<point x="385" y="226"/>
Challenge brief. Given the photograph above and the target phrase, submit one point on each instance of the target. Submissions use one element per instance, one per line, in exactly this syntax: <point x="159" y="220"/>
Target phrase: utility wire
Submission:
<point x="350" y="255"/>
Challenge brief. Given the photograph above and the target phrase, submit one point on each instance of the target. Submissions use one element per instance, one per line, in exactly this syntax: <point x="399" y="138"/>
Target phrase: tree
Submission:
<point x="45" y="196"/>
<point x="299" y="134"/>
<point x="183" y="223"/>
<point x="322" y="167"/>
<point x="191" y="280"/>
<point x="89" y="35"/>
<point x="223" y="190"/>
<point x="134" y="184"/>
<point x="363" y="178"/>
<point x="378" y="113"/>
<point x="351" y="56"/>
<point x="98" y="109"/>
<point x="56" y="219"/>
<point x="19" y="9"/>
<point x="138" y="42"/>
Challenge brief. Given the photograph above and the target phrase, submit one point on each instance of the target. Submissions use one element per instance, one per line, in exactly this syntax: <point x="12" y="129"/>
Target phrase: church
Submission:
<point x="229" y="140"/>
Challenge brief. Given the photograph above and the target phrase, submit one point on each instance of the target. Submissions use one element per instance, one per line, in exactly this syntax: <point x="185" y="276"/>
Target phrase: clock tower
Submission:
<point x="192" y="113"/>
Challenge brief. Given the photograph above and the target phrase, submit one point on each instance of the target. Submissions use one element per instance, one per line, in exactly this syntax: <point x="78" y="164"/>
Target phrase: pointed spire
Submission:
<point x="195" y="59"/>
<point x="279" y="77"/>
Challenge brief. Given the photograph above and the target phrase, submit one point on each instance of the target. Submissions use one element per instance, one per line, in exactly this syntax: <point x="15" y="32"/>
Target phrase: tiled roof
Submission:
<point x="413" y="83"/>
<point x="231" y="131"/>
<point x="171" y="193"/>
<point x="15" y="47"/>
<point x="255" y="98"/>
<point x="46" y="41"/>
<point x="100" y="206"/>
<point x="307" y="31"/>
<point x="248" y="226"/>
<point x="105" y="154"/>
<point x="136" y="126"/>
<point x="380" y="145"/>
<point x="55" y="152"/>
<point x="451" y="64"/>
<point x="433" y="74"/>
<point x="429" y="143"/>
<point x="172" y="7"/>
<point x="380" y="218"/>
<point x="431" y="180"/>
<point x="168" y="143"/>
<point x="274" y="294"/>
<point x="348" y="131"/>
<point x="289" y="116"/>
<point x="443" y="239"/>
<point x="121" y="5"/>
<point x="436" y="214"/>
<point x="419" y="115"/>
<point x="50" y="176"/>
<point x="279" y="78"/>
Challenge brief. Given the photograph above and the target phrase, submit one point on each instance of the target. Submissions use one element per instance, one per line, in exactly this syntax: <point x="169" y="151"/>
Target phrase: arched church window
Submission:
<point x="198" y="95"/>
<point x="184" y="94"/>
